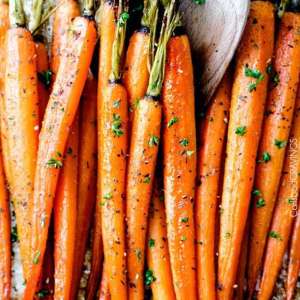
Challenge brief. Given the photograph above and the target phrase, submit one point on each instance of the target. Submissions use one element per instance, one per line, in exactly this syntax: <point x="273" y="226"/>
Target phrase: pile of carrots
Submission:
<point x="115" y="185"/>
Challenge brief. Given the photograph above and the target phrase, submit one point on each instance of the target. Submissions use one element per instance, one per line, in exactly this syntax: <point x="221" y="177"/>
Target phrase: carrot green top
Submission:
<point x="16" y="13"/>
<point x="88" y="8"/>
<point x="171" y="20"/>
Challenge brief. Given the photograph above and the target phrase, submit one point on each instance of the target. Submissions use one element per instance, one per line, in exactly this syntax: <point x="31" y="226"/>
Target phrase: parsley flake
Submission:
<point x="172" y="122"/>
<point x="116" y="125"/>
<point x="279" y="144"/>
<point x="54" y="163"/>
<point x="260" y="203"/>
<point x="149" y="277"/>
<point x="184" y="142"/>
<point x="151" y="243"/>
<point x="153" y="141"/>
<point x="241" y="130"/>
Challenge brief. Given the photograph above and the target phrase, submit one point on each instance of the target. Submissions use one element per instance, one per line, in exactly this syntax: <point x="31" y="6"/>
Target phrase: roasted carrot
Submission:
<point x="44" y="76"/>
<point x="158" y="275"/>
<point x="284" y="213"/>
<point x="145" y="136"/>
<point x="5" y="244"/>
<point x="112" y="166"/>
<point x="275" y="133"/>
<point x="20" y="124"/>
<point x="67" y="11"/>
<point x="65" y="213"/>
<point x="59" y="115"/>
<point x="104" y="288"/>
<point x="294" y="259"/>
<point x="179" y="160"/>
<point x="87" y="168"/>
<point x="137" y="63"/>
<point x="212" y="136"/>
<point x="246" y="116"/>
<point x="106" y="28"/>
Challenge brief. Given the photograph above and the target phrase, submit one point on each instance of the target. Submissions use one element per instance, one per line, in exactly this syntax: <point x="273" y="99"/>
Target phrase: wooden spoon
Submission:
<point x="215" y="29"/>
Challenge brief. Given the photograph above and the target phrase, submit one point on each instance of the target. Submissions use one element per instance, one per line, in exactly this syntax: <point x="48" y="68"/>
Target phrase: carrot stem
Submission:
<point x="16" y="13"/>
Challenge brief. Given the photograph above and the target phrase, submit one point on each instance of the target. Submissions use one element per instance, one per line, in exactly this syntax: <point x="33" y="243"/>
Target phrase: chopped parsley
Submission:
<point x="265" y="157"/>
<point x="200" y="2"/>
<point x="172" y="122"/>
<point x="280" y="144"/>
<point x="151" y="243"/>
<point x="183" y="238"/>
<point x="256" y="192"/>
<point x="256" y="74"/>
<point x="42" y="293"/>
<point x="45" y="77"/>
<point x="149" y="277"/>
<point x="107" y="196"/>
<point x="54" y="163"/>
<point x="184" y="220"/>
<point x="123" y="18"/>
<point x="116" y="125"/>
<point x="184" y="142"/>
<point x="275" y="235"/>
<point x="36" y="257"/>
<point x="147" y="179"/>
<point x="241" y="130"/>
<point x="260" y="203"/>
<point x="116" y="103"/>
<point x="14" y="234"/>
<point x="290" y="201"/>
<point x="153" y="141"/>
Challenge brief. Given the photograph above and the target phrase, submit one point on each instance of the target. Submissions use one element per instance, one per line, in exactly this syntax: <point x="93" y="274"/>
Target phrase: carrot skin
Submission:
<point x="141" y="167"/>
<point x="136" y="74"/>
<point x="58" y="119"/>
<point x="294" y="260"/>
<point x="246" y="116"/>
<point x="20" y="124"/>
<point x="104" y="288"/>
<point x="158" y="258"/>
<point x="63" y="18"/>
<point x="65" y="213"/>
<point x="5" y="243"/>
<point x="277" y="124"/>
<point x="212" y="138"/>
<point x="179" y="159"/>
<point x="284" y="213"/>
<point x="113" y="153"/>
<point x="87" y="170"/>
<point x="107" y="32"/>
<point x="42" y="67"/>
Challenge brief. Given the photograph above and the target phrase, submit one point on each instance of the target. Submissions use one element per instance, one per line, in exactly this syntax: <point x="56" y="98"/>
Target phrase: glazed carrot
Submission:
<point x="87" y="168"/>
<point x="294" y="259"/>
<point x="212" y="135"/>
<point x="5" y="244"/>
<point x="145" y="136"/>
<point x="112" y="166"/>
<point x="276" y="128"/>
<point x="44" y="76"/>
<point x="106" y="28"/>
<point x="58" y="119"/>
<point x="137" y="63"/>
<point x="246" y="115"/>
<point x="158" y="275"/>
<point x="65" y="213"/>
<point x="64" y="15"/>
<point x="20" y="124"/>
<point x="104" y="288"/>
<point x="179" y="160"/>
<point x="284" y="213"/>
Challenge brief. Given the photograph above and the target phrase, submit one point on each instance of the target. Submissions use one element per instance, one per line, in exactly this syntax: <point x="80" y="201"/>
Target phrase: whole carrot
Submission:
<point x="212" y="136"/>
<point x="106" y="28"/>
<point x="87" y="169"/>
<point x="275" y="133"/>
<point x="59" y="116"/>
<point x="112" y="171"/>
<point x="179" y="160"/>
<point x="158" y="275"/>
<point x="246" y="115"/>
<point x="5" y="244"/>
<point x="145" y="136"/>
<point x="294" y="259"/>
<point x="137" y="63"/>
<point x="104" y="288"/>
<point x="284" y="213"/>
<point x="67" y="11"/>
<point x="20" y="124"/>
<point x="65" y="213"/>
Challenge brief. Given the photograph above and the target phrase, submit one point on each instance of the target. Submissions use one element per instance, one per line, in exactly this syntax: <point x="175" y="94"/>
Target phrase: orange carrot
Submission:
<point x="64" y="15"/>
<point x="20" y="124"/>
<point x="284" y="213"/>
<point x="246" y="116"/>
<point x="294" y="259"/>
<point x="142" y="163"/>
<point x="107" y="32"/>
<point x="104" y="288"/>
<point x="212" y="135"/>
<point x="5" y="244"/>
<point x="137" y="63"/>
<point x="44" y="76"/>
<point x="179" y="159"/>
<point x="276" y="128"/>
<point x="59" y="115"/>
<point x="87" y="168"/>
<point x="65" y="213"/>
<point x="159" y="275"/>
